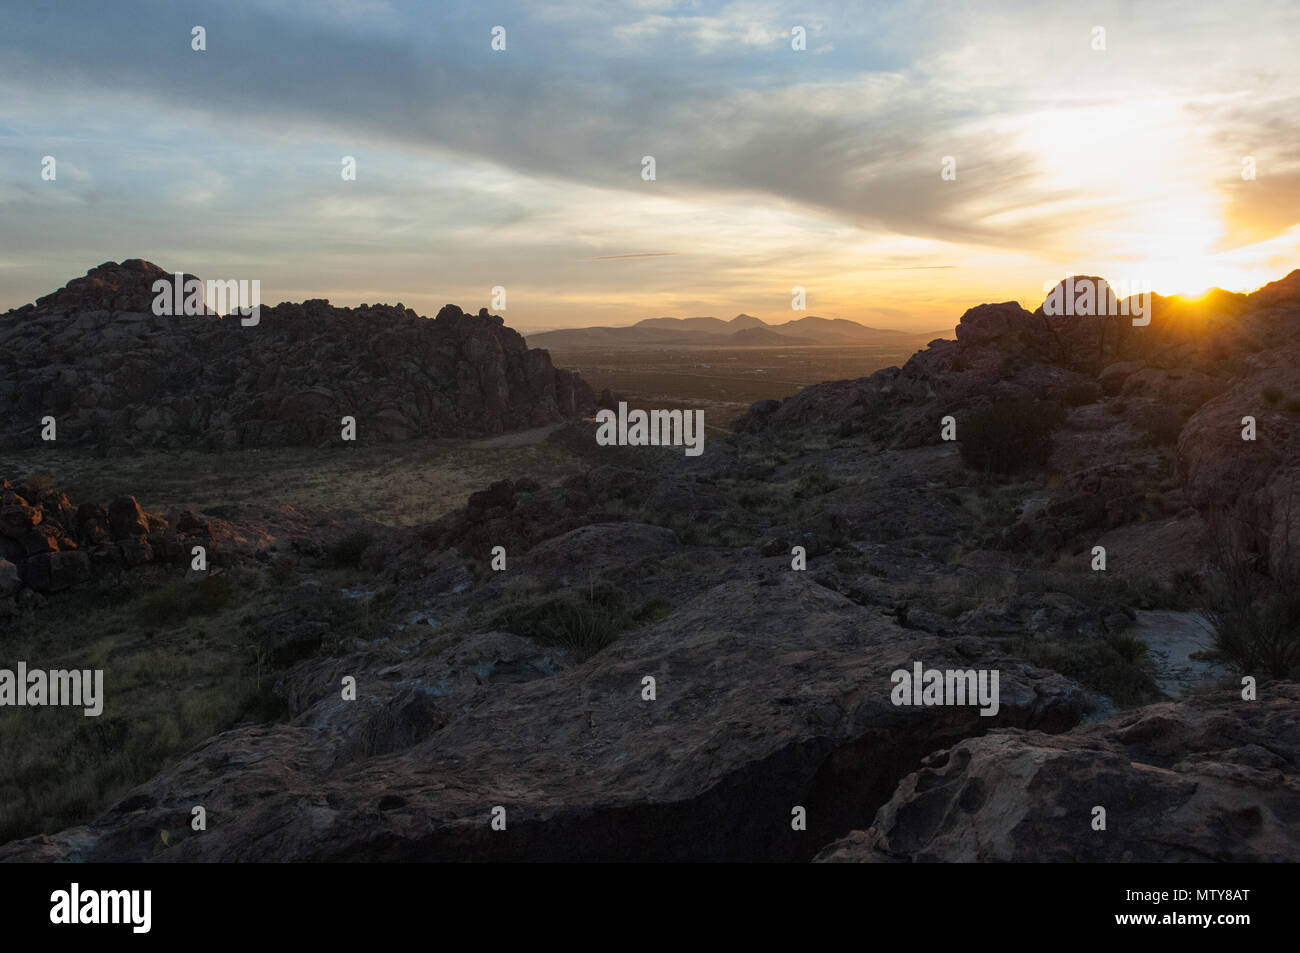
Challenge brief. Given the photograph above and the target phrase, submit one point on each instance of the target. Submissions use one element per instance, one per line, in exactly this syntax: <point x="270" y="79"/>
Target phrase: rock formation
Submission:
<point x="94" y="356"/>
<point x="1205" y="779"/>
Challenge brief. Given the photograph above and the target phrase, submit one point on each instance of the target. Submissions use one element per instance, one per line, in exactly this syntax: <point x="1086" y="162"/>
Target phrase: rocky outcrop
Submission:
<point x="1250" y="488"/>
<point x="1209" y="778"/>
<point x="1185" y="352"/>
<point x="768" y="697"/>
<point x="95" y="357"/>
<point x="47" y="544"/>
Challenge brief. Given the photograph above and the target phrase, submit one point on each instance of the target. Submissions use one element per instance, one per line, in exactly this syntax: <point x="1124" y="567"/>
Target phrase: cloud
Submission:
<point x="645" y="254"/>
<point x="770" y="162"/>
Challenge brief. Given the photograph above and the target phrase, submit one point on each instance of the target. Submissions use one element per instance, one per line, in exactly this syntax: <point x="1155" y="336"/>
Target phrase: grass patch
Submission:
<point x="162" y="696"/>
<point x="584" y="623"/>
<point x="175" y="601"/>
<point x="1138" y="592"/>
<point x="1116" y="665"/>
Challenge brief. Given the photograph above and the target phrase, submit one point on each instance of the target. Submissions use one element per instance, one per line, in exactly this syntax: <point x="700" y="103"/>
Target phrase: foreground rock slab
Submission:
<point x="1208" y="778"/>
<point x="768" y="697"/>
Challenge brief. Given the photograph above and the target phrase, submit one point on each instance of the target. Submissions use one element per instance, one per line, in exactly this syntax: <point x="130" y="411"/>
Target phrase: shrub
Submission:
<point x="1293" y="405"/>
<point x="1162" y="425"/>
<point x="1116" y="666"/>
<point x="1009" y="435"/>
<point x="813" y="481"/>
<point x="176" y="601"/>
<point x="1263" y="636"/>
<point x="281" y="570"/>
<point x="1257" y="626"/>
<point x="1131" y="650"/>
<point x="1083" y="392"/>
<point x="1272" y="394"/>
<point x="38" y="484"/>
<point x="656" y="610"/>
<point x="584" y="625"/>
<point x="346" y="553"/>
<point x="1254" y="606"/>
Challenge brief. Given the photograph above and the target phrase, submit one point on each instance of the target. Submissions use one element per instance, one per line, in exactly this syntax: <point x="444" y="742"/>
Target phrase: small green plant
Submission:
<point x="584" y="624"/>
<point x="1131" y="650"/>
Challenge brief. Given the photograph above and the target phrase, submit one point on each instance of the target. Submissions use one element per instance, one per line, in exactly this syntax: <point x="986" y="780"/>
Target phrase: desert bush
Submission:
<point x="176" y="601"/>
<point x="1009" y="435"/>
<point x="1162" y="425"/>
<point x="1258" y="629"/>
<point x="1116" y="666"/>
<point x="346" y="553"/>
<point x="1255" y="603"/>
<point x="656" y="610"/>
<point x="38" y="484"/>
<point x="1083" y="392"/>
<point x="1272" y="394"/>
<point x="281" y="570"/>
<point x="813" y="481"/>
<point x="584" y="623"/>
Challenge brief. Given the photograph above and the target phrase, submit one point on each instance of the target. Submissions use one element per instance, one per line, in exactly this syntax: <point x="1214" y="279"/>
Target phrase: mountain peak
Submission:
<point x="1277" y="292"/>
<point x="127" y="286"/>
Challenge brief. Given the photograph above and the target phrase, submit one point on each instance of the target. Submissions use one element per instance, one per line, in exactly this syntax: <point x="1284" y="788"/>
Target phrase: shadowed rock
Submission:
<point x="95" y="356"/>
<point x="1209" y="778"/>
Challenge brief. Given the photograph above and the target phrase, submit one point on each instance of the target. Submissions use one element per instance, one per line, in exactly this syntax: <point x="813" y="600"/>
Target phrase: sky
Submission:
<point x="1111" y="138"/>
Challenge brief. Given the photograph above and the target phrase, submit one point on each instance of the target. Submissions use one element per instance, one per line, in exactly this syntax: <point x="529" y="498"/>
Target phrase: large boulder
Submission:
<point x="1211" y="777"/>
<point x="18" y="519"/>
<point x="126" y="519"/>
<point x="50" y="572"/>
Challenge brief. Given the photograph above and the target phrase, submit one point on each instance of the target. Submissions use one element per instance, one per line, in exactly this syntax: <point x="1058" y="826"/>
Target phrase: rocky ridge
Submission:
<point x="112" y="374"/>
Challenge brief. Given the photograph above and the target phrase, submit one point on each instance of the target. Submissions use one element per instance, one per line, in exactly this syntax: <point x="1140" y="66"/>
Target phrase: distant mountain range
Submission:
<point x="744" y="330"/>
